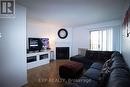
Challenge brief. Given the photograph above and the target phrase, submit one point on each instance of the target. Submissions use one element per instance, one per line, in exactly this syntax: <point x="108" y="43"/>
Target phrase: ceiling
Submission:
<point x="73" y="12"/>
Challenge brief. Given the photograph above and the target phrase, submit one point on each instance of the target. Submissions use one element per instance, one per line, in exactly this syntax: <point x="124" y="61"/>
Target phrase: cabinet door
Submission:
<point x="31" y="59"/>
<point x="43" y="56"/>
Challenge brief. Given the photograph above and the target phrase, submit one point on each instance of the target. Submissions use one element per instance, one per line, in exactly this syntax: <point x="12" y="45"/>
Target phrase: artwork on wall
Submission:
<point x="126" y="24"/>
<point x="129" y="21"/>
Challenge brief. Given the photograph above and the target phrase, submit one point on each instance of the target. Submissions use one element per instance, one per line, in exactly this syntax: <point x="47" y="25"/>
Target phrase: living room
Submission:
<point x="79" y="21"/>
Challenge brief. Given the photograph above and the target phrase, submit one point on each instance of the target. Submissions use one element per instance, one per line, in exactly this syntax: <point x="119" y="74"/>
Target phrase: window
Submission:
<point x="101" y="40"/>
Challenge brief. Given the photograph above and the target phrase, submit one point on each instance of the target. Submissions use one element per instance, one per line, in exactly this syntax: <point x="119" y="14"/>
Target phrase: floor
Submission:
<point x="46" y="75"/>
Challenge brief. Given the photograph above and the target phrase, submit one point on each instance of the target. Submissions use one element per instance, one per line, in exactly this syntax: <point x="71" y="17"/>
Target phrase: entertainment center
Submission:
<point x="38" y="53"/>
<point x="35" y="59"/>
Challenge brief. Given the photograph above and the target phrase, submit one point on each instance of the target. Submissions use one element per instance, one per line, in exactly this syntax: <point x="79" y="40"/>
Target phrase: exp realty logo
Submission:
<point x="7" y="8"/>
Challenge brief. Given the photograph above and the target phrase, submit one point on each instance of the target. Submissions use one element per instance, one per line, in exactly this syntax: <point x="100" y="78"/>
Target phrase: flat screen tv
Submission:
<point x="38" y="44"/>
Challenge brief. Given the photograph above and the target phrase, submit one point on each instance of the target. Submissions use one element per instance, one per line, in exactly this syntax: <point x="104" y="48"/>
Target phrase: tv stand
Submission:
<point x="35" y="59"/>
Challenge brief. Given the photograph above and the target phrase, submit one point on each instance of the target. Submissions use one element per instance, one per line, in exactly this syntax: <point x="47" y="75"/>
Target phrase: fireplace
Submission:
<point x="62" y="52"/>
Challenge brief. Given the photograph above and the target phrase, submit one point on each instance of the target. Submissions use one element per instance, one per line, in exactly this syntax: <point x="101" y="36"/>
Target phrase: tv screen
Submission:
<point x="38" y="43"/>
<point x="35" y="44"/>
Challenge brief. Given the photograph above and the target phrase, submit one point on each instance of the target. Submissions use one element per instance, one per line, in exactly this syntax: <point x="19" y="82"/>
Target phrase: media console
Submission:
<point x="35" y="59"/>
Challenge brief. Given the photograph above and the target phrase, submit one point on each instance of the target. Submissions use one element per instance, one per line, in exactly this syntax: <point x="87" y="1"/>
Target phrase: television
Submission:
<point x="38" y="44"/>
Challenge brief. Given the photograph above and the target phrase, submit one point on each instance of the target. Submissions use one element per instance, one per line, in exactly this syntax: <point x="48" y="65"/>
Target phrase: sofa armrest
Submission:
<point x="82" y="59"/>
<point x="78" y="58"/>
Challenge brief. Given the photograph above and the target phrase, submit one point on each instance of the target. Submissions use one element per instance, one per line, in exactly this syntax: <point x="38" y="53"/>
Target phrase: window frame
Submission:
<point x="101" y="47"/>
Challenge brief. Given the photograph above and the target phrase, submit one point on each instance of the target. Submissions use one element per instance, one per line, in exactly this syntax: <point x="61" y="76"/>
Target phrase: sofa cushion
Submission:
<point x="97" y="65"/>
<point x="92" y="73"/>
<point x="119" y="78"/>
<point x="92" y="55"/>
<point x="104" y="55"/>
<point x="99" y="56"/>
<point x="82" y="59"/>
<point x="119" y="63"/>
<point x="104" y="76"/>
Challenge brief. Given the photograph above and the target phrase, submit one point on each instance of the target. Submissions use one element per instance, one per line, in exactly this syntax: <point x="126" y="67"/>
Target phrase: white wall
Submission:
<point x="37" y="28"/>
<point x="81" y="37"/>
<point x="116" y="38"/>
<point x="13" y="50"/>
<point x="126" y="42"/>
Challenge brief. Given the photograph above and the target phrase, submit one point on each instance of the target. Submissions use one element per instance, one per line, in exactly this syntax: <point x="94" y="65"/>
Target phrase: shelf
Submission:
<point x="35" y="59"/>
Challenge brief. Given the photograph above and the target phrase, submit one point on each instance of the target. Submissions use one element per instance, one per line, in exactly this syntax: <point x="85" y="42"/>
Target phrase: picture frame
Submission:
<point x="128" y="29"/>
<point x="126" y="24"/>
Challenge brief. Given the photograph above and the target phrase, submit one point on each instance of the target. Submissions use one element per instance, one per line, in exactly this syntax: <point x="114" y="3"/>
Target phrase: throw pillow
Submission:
<point x="108" y="63"/>
<point x="105" y="72"/>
